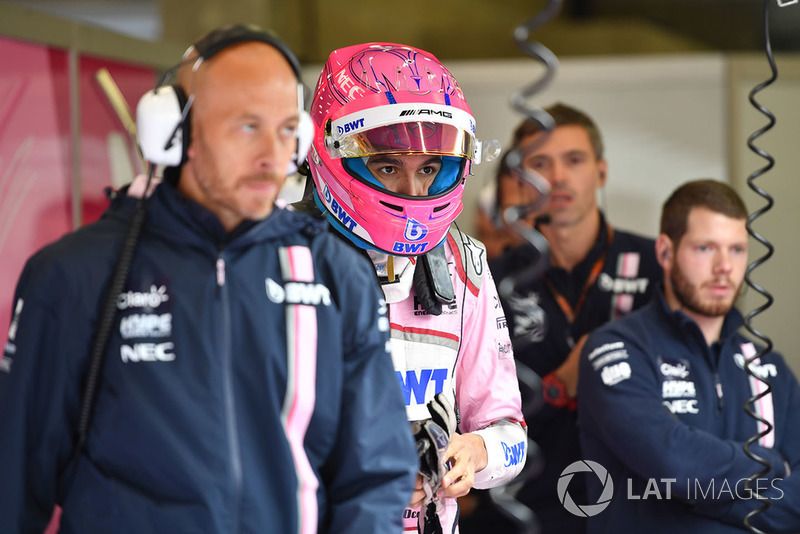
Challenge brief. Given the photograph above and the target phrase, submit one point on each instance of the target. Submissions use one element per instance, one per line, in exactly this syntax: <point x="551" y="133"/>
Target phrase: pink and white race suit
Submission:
<point x="466" y="353"/>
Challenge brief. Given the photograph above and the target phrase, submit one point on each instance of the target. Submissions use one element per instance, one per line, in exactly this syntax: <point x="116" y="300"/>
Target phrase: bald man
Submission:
<point x="231" y="396"/>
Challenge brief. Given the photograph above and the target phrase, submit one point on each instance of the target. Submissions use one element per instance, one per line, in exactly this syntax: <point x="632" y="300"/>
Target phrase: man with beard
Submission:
<point x="246" y="385"/>
<point x="661" y="393"/>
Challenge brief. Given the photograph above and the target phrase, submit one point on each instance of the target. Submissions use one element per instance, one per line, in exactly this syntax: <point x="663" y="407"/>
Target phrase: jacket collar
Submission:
<point x="681" y="321"/>
<point x="180" y="219"/>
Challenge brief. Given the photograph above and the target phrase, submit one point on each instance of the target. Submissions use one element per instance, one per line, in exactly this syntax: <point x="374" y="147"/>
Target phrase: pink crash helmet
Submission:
<point x="384" y="98"/>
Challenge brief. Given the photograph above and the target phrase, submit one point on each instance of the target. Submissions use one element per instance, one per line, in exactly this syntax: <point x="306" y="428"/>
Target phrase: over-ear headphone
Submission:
<point x="163" y="121"/>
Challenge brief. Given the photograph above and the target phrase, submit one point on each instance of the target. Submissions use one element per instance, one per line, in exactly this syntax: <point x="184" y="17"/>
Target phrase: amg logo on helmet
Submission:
<point x="423" y="111"/>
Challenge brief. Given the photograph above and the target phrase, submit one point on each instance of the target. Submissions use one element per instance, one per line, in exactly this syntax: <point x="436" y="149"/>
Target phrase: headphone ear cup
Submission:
<point x="161" y="131"/>
<point x="305" y="135"/>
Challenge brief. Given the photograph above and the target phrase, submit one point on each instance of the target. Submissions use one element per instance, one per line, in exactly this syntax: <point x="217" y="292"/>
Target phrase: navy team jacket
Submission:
<point x="662" y="411"/>
<point x="246" y="386"/>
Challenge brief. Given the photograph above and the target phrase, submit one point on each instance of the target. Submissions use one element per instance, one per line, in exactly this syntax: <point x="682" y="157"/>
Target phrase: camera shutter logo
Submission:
<point x="585" y="510"/>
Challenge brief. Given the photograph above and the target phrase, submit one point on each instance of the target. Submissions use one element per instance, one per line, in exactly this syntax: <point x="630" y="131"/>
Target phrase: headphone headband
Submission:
<point x="218" y="40"/>
<point x="163" y="115"/>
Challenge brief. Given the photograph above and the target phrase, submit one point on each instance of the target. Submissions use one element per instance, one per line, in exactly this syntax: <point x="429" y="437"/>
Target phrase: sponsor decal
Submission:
<point x="408" y="513"/>
<point x="146" y="325"/>
<point x="682" y="406"/>
<point x="622" y="285"/>
<point x="147" y="352"/>
<point x="671" y="389"/>
<point x="614" y="374"/>
<point x="501" y="322"/>
<point x="151" y="299"/>
<point x="426" y="111"/>
<point x="610" y="357"/>
<point x="475" y="254"/>
<point x="383" y="320"/>
<point x="414" y="382"/>
<point x="605" y="348"/>
<point x="514" y="454"/>
<point x="760" y="370"/>
<point x="336" y="208"/>
<point x="530" y="320"/>
<point x="345" y="83"/>
<point x="674" y="370"/>
<point x="307" y="293"/>
<point x="447" y="309"/>
<point x="350" y="126"/>
<point x="504" y="350"/>
<point x="415" y="230"/>
<point x="409" y="248"/>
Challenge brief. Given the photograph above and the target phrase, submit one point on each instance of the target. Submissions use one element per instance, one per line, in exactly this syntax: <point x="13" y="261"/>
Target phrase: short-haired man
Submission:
<point x="661" y="391"/>
<point x="246" y="386"/>
<point x="597" y="273"/>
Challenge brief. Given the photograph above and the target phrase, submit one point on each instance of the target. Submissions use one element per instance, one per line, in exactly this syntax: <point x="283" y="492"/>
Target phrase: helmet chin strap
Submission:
<point x="395" y="273"/>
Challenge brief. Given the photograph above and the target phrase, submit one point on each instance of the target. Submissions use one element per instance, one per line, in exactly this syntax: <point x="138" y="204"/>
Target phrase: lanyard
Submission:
<point x="572" y="313"/>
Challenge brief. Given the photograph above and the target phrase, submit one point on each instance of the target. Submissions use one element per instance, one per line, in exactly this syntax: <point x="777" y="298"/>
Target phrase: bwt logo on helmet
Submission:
<point x="423" y="111"/>
<point x="351" y="126"/>
<point x="414" y="231"/>
<point x="337" y="210"/>
<point x="585" y="510"/>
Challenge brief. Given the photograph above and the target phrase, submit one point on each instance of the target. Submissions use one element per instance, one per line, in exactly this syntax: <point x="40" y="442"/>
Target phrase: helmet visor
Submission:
<point x="407" y="138"/>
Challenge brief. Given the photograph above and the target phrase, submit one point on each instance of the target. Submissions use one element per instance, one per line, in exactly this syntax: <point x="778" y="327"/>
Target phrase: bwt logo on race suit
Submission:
<point x="415" y="382"/>
<point x="514" y="453"/>
<point x="338" y="210"/>
<point x="414" y="231"/>
<point x="350" y="126"/>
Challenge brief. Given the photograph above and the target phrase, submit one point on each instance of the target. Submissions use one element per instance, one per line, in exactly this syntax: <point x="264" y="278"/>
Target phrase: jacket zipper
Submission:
<point x="718" y="388"/>
<point x="230" y="403"/>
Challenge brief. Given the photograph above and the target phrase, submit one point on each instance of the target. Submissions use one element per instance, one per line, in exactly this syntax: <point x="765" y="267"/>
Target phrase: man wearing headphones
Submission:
<point x="596" y="273"/>
<point x="245" y="385"/>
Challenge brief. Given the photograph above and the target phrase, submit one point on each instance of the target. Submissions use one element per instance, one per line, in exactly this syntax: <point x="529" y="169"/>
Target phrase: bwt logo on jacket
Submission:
<point x="415" y="382"/>
<point x="307" y="293"/>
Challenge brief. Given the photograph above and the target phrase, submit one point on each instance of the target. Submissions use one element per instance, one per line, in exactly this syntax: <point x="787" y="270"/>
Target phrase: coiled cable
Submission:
<point x="749" y="407"/>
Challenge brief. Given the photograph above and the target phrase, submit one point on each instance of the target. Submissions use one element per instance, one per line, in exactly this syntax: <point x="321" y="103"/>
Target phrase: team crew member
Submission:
<point x="661" y="392"/>
<point x="395" y="143"/>
<point x="246" y="385"/>
<point x="597" y="273"/>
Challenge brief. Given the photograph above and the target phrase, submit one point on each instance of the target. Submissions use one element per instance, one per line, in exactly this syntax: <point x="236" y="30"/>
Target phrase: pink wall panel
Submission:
<point x="35" y="188"/>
